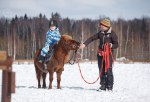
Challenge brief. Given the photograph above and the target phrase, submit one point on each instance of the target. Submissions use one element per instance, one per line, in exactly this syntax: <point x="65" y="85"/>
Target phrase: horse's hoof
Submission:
<point x="39" y="86"/>
<point x="50" y="88"/>
<point x="44" y="87"/>
<point x="58" y="87"/>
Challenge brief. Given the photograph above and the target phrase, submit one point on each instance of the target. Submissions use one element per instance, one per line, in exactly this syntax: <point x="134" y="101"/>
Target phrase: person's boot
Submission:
<point x="41" y="58"/>
<point x="102" y="87"/>
<point x="109" y="88"/>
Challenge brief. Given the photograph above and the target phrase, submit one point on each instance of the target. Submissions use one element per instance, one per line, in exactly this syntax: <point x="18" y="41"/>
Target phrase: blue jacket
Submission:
<point x="52" y="37"/>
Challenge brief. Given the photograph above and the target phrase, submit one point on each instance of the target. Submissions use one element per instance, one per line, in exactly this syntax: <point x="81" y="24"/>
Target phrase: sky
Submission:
<point x="76" y="9"/>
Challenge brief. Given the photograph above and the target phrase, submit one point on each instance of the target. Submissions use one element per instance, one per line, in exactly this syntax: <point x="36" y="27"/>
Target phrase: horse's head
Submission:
<point x="69" y="43"/>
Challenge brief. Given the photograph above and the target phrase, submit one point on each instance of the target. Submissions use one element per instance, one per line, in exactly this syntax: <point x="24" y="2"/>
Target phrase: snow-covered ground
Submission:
<point x="131" y="84"/>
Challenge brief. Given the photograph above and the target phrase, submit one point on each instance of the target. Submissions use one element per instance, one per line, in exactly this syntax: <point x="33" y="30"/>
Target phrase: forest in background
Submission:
<point x="22" y="36"/>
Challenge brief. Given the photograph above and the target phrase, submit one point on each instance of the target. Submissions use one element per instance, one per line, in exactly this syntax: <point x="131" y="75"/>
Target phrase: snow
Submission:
<point x="122" y="59"/>
<point x="131" y="84"/>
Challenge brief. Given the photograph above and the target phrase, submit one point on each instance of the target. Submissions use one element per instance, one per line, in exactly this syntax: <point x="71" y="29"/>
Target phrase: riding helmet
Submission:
<point x="53" y="23"/>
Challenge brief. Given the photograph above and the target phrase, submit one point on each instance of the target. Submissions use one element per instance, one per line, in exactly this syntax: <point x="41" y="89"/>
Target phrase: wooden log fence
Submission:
<point x="8" y="76"/>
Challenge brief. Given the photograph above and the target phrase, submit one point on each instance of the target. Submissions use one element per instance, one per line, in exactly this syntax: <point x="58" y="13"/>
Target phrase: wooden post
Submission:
<point x="3" y="58"/>
<point x="8" y="77"/>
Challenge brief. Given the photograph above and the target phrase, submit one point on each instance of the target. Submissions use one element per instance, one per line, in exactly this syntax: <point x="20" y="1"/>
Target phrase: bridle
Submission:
<point x="73" y="58"/>
<point x="74" y="53"/>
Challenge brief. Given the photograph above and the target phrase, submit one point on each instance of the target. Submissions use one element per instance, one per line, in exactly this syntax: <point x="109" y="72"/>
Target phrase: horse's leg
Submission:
<point x="50" y="79"/>
<point x="38" y="75"/>
<point x="38" y="78"/>
<point x="59" y="79"/>
<point x="44" y="82"/>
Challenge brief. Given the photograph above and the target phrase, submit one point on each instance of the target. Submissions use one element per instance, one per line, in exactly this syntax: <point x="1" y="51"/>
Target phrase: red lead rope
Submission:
<point x="84" y="78"/>
<point x="106" y="57"/>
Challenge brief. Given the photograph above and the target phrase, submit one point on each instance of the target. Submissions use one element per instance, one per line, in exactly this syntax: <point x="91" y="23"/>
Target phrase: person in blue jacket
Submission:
<point x="52" y="37"/>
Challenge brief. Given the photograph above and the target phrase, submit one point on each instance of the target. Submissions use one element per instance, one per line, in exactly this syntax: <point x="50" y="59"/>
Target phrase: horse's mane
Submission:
<point x="66" y="37"/>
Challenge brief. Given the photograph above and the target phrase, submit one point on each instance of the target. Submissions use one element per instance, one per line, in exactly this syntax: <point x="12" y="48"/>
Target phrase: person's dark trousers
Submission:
<point x="106" y="79"/>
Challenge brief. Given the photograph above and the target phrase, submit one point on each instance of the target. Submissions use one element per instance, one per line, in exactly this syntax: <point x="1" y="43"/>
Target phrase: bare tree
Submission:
<point x="127" y="39"/>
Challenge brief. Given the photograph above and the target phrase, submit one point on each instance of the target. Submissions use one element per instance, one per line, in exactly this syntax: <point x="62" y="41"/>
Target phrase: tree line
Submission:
<point x="22" y="36"/>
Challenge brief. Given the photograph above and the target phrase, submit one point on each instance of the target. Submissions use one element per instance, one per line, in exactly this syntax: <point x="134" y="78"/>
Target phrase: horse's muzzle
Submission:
<point x="78" y="45"/>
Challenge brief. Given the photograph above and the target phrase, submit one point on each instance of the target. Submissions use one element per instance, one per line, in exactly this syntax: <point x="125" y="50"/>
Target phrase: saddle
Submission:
<point x="50" y="53"/>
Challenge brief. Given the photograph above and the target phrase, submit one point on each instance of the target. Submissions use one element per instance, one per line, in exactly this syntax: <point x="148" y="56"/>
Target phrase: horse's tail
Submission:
<point x="38" y="69"/>
<point x="35" y="61"/>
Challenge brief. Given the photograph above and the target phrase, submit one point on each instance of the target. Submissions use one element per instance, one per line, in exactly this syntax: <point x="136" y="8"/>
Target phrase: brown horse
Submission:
<point x="56" y="64"/>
